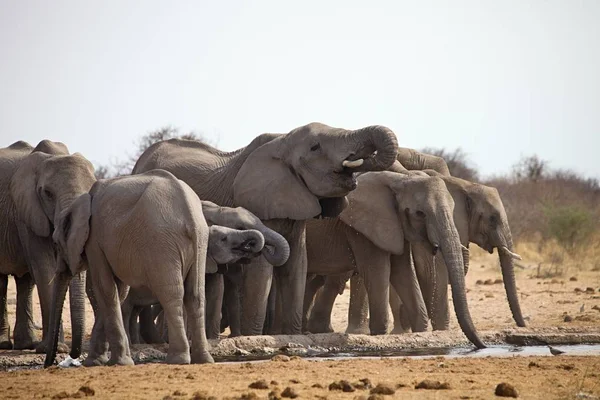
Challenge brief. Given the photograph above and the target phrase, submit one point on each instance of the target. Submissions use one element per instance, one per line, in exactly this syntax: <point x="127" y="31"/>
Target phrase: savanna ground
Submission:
<point x="545" y="300"/>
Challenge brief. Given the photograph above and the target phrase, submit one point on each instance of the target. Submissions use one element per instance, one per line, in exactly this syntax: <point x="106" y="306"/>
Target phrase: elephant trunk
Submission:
<point x="378" y="139"/>
<point x="77" y="304"/>
<point x="508" y="275"/>
<point x="61" y="282"/>
<point x="249" y="240"/>
<point x="449" y="244"/>
<point x="466" y="258"/>
<point x="277" y="249"/>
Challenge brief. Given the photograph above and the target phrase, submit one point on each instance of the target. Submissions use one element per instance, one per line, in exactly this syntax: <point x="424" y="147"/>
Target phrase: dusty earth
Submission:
<point x="545" y="303"/>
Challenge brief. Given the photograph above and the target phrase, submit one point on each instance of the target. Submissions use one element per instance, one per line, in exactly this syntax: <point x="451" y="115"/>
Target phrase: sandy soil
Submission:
<point x="545" y="302"/>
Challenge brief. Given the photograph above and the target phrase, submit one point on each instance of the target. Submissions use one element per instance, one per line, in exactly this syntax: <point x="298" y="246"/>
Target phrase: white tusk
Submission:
<point x="353" y="164"/>
<point x="513" y="255"/>
<point x="464" y="247"/>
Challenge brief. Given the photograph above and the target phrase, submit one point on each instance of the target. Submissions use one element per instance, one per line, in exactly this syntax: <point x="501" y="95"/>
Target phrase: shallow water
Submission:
<point x="422" y="353"/>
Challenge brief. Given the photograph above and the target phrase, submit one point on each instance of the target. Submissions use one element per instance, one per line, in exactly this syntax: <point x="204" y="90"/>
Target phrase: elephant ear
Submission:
<point x="24" y="194"/>
<point x="211" y="266"/>
<point x="373" y="211"/>
<point x="72" y="231"/>
<point x="266" y="186"/>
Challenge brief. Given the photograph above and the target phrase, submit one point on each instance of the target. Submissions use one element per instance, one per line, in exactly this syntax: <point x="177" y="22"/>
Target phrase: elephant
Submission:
<point x="147" y="231"/>
<point x="36" y="185"/>
<point x="243" y="224"/>
<point x="415" y="160"/>
<point x="285" y="180"/>
<point x="387" y="213"/>
<point x="480" y="218"/>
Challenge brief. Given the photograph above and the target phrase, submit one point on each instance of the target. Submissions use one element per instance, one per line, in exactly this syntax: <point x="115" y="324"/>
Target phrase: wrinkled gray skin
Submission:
<point x="387" y="212"/>
<point x="36" y="185"/>
<point x="283" y="179"/>
<point x="145" y="231"/>
<point x="480" y="218"/>
<point x="243" y="225"/>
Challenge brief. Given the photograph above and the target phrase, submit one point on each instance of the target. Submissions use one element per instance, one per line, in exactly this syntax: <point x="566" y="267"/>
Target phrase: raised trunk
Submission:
<point x="61" y="282"/>
<point x="250" y="240"/>
<point x="77" y="304"/>
<point x="376" y="138"/>
<point x="277" y="249"/>
<point x="508" y="275"/>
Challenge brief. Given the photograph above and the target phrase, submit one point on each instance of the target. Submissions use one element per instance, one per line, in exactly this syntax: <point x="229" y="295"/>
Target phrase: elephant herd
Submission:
<point x="260" y="240"/>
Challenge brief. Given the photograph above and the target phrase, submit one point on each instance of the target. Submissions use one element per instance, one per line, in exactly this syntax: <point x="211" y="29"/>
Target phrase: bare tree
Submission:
<point x="530" y="168"/>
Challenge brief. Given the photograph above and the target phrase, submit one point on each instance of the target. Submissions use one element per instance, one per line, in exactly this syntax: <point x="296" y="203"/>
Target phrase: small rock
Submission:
<point x="573" y="279"/>
<point x="433" y="385"/>
<point x="533" y="364"/>
<point x="274" y="383"/>
<point x="290" y="393"/>
<point x="506" y="390"/>
<point x="241" y="352"/>
<point x="566" y="367"/>
<point x="259" y="384"/>
<point x="488" y="282"/>
<point x="568" y="318"/>
<point x="280" y="358"/>
<point x="87" y="391"/>
<point x="61" y="395"/>
<point x="498" y="281"/>
<point x="342" y="385"/>
<point x="318" y="386"/>
<point x="376" y="397"/>
<point x="202" y="396"/>
<point x="489" y="295"/>
<point x="363" y="384"/>
<point x="590" y="290"/>
<point x="479" y="282"/>
<point x="596" y="308"/>
<point x="577" y="290"/>
<point x="294" y="381"/>
<point x="383" y="388"/>
<point x="249" y="396"/>
<point x="179" y="393"/>
<point x="274" y="395"/>
<point x="554" y="280"/>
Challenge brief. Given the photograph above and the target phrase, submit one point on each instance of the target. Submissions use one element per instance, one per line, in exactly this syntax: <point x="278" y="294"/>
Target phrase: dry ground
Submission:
<point x="545" y="302"/>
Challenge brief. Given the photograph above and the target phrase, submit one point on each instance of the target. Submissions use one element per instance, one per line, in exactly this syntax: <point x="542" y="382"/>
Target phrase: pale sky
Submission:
<point x="500" y="79"/>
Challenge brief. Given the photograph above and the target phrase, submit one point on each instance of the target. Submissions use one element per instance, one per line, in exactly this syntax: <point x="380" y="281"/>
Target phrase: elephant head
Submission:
<point x="276" y="249"/>
<point x="226" y="245"/>
<point x="43" y="188"/>
<point x="481" y="218"/>
<point x="309" y="171"/>
<point x="389" y="208"/>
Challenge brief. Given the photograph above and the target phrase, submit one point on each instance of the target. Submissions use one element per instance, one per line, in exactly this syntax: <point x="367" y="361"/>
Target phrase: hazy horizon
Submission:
<point x="500" y="80"/>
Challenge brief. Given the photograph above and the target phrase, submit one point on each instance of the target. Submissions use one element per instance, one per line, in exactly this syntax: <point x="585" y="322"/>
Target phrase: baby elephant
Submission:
<point x="141" y="230"/>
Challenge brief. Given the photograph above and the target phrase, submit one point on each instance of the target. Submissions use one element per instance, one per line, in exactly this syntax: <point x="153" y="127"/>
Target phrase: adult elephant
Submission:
<point x="284" y="179"/>
<point x="480" y="218"/>
<point x="220" y="252"/>
<point x="386" y="212"/>
<point x="36" y="185"/>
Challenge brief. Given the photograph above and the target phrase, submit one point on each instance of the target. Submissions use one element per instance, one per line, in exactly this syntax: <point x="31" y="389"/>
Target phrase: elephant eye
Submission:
<point x="224" y="239"/>
<point x="315" y="147"/>
<point x="240" y="228"/>
<point x="420" y="214"/>
<point x="493" y="219"/>
<point x="48" y="193"/>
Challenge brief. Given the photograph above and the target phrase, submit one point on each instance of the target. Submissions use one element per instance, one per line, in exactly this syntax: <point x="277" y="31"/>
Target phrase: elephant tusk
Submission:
<point x="435" y="249"/>
<point x="353" y="164"/>
<point x="513" y="255"/>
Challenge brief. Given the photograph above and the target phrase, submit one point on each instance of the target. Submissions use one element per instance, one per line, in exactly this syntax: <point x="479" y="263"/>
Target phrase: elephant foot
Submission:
<point x="26" y="344"/>
<point x="178" y="358"/>
<point x="123" y="360"/>
<point x="202" y="357"/>
<point x="98" y="361"/>
<point x="61" y="348"/>
<point x="400" y="330"/>
<point x="6" y="345"/>
<point x="318" y="328"/>
<point x="358" y="330"/>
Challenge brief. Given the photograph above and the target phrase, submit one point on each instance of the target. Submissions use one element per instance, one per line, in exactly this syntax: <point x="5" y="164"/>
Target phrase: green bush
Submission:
<point x="571" y="226"/>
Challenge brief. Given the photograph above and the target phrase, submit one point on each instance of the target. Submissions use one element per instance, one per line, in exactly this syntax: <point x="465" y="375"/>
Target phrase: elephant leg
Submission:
<point x="358" y="310"/>
<point x="374" y="266"/>
<point x="134" y="326"/>
<point x="214" y="303"/>
<point x="106" y="293"/>
<point x="313" y="284"/>
<point x="194" y="299"/>
<point x="24" y="326"/>
<point x="256" y="284"/>
<point x="149" y="332"/>
<point x="97" y="355"/>
<point x="5" y="342"/>
<point x="272" y="324"/>
<point x="401" y="320"/>
<point x="126" y="312"/>
<point x="171" y="300"/>
<point x="232" y="295"/>
<point x="320" y="316"/>
<point x="291" y="281"/>
<point x="404" y="279"/>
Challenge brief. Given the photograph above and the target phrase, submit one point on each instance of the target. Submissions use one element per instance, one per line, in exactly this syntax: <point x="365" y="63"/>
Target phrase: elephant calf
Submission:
<point x="141" y="230"/>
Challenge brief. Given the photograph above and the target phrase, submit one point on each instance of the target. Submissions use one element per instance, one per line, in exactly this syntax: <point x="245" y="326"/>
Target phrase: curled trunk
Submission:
<point x="77" y="304"/>
<point x="61" y="282"/>
<point x="508" y="275"/>
<point x="277" y="249"/>
<point x="383" y="141"/>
